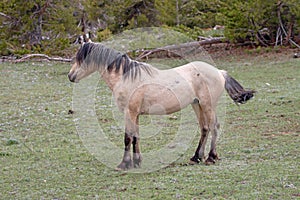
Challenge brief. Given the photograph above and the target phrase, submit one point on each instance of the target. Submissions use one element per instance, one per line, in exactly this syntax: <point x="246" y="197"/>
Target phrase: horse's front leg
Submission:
<point x="126" y="161"/>
<point x="131" y="137"/>
<point x="137" y="157"/>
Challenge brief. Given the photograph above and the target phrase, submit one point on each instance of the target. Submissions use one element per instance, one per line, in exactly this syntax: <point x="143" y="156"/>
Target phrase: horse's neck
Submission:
<point x="111" y="78"/>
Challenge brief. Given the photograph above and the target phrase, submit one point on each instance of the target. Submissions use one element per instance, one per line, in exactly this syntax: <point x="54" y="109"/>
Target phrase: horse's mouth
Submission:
<point x="72" y="78"/>
<point x="75" y="81"/>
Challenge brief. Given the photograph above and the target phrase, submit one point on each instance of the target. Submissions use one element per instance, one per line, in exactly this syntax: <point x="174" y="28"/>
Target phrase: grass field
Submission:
<point x="42" y="156"/>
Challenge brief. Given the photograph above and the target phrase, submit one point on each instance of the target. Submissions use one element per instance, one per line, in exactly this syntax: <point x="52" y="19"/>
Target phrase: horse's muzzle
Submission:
<point x="72" y="77"/>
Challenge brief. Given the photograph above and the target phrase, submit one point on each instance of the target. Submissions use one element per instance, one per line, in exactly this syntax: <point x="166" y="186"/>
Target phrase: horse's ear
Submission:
<point x="87" y="37"/>
<point x="82" y="39"/>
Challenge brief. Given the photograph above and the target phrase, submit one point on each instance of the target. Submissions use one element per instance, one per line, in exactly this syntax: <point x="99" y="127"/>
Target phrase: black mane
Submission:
<point x="113" y="60"/>
<point x="131" y="68"/>
<point x="83" y="52"/>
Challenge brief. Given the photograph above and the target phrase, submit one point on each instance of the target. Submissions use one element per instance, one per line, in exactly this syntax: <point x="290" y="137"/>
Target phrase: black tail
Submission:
<point x="236" y="92"/>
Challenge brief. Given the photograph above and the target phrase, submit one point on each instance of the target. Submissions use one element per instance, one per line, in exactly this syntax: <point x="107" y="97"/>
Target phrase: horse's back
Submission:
<point x="206" y="79"/>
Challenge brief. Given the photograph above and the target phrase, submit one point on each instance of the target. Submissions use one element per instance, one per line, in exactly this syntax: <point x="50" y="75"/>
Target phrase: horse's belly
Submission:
<point x="160" y="100"/>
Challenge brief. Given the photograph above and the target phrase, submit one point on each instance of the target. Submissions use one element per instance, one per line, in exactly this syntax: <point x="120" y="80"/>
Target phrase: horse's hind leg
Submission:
<point x="213" y="156"/>
<point x="203" y="123"/>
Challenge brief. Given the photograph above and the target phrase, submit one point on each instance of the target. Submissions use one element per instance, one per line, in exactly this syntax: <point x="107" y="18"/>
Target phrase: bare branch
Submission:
<point x="29" y="56"/>
<point x="283" y="29"/>
<point x="4" y="15"/>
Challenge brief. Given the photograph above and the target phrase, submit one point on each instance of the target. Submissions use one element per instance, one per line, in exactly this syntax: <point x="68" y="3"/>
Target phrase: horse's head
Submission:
<point x="81" y="68"/>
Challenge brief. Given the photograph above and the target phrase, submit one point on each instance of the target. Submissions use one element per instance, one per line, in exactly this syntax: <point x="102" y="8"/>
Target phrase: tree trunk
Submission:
<point x="36" y="34"/>
<point x="177" y="13"/>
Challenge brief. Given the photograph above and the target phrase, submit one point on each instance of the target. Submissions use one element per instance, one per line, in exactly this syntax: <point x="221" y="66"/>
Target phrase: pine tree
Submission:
<point x="36" y="26"/>
<point x="259" y="21"/>
<point x="168" y="12"/>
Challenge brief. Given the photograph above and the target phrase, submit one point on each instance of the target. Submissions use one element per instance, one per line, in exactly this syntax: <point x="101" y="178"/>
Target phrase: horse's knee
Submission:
<point x="205" y="129"/>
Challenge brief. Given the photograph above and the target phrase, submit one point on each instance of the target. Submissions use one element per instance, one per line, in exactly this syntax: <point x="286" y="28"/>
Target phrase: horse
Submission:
<point x="142" y="89"/>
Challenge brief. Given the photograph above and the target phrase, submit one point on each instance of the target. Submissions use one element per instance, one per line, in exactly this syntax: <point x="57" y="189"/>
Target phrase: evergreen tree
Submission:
<point x="168" y="12"/>
<point x="259" y="20"/>
<point x="36" y="26"/>
<point x="200" y="13"/>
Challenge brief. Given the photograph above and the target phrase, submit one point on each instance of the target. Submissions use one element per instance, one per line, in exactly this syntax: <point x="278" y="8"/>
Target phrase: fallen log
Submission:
<point x="170" y="48"/>
<point x="29" y="56"/>
<point x="41" y="57"/>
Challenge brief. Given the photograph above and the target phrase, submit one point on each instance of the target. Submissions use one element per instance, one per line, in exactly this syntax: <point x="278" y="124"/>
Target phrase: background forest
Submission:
<point x="52" y="27"/>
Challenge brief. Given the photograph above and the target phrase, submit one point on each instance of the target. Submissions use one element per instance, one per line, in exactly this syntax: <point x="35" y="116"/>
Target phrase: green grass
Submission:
<point x="42" y="157"/>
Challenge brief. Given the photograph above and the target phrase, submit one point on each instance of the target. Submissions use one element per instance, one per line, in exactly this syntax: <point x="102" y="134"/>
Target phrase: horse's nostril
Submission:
<point x="71" y="78"/>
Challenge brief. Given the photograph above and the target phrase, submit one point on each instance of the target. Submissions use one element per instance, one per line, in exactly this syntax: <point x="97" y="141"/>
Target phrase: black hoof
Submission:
<point x="210" y="161"/>
<point x="194" y="160"/>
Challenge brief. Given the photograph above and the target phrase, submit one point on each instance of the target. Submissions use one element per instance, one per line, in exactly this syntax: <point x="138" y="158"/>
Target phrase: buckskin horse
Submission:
<point x="141" y="89"/>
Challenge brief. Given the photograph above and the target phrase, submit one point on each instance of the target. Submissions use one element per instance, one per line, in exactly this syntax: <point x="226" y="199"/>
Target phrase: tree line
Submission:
<point x="51" y="27"/>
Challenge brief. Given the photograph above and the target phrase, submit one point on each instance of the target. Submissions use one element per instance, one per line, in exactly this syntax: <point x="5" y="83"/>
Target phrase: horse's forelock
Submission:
<point x="84" y="51"/>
